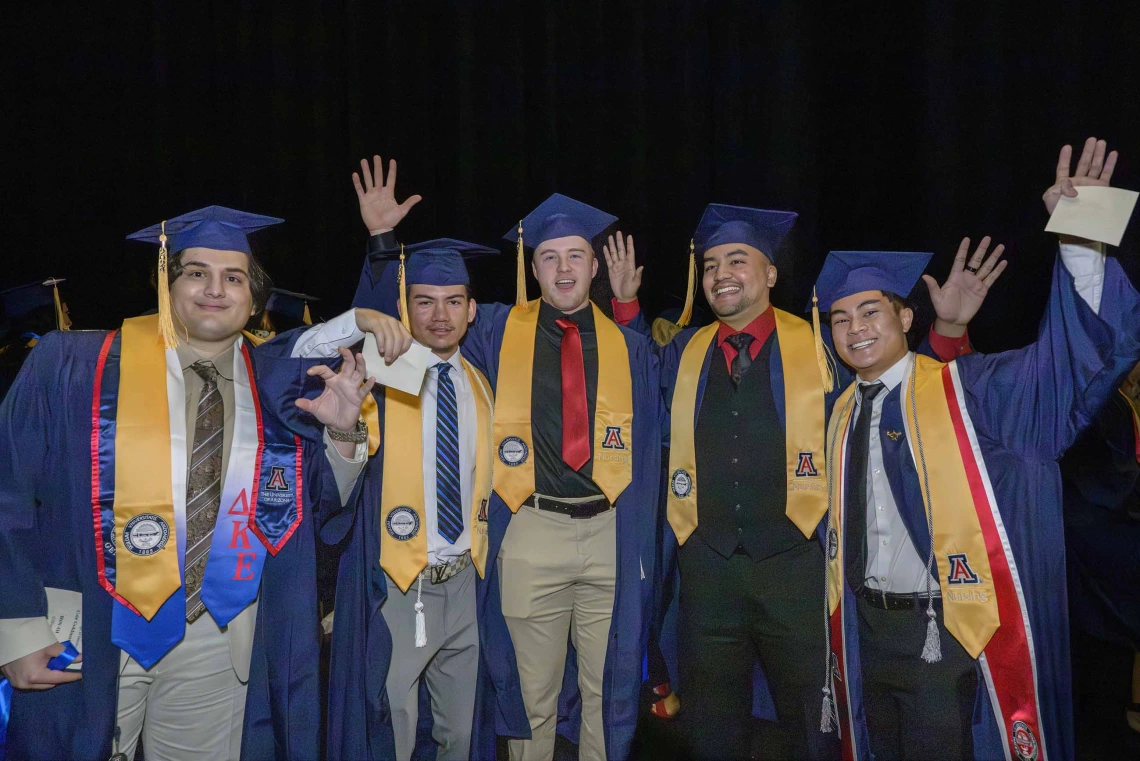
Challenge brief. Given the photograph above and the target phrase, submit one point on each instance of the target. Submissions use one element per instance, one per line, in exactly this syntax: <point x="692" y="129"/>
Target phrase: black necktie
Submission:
<point x="743" y="359"/>
<point x="855" y="548"/>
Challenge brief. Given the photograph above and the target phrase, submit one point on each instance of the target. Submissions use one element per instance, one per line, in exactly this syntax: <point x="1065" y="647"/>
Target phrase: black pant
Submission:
<point x="913" y="706"/>
<point x="734" y="611"/>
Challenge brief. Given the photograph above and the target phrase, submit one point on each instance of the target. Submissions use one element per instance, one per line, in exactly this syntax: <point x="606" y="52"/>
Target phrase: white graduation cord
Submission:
<point x="829" y="714"/>
<point x="421" y="623"/>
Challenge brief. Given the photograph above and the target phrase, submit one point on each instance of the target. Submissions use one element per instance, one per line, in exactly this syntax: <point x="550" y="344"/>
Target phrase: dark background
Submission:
<point x="894" y="125"/>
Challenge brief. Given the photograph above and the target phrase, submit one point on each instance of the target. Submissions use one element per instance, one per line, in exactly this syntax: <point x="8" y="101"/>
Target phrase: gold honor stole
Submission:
<point x="403" y="542"/>
<point x="983" y="603"/>
<point x="613" y="416"/>
<point x="804" y="404"/>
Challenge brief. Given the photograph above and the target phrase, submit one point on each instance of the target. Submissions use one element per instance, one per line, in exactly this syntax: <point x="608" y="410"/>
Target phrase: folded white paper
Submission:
<point x="65" y="616"/>
<point x="406" y="373"/>
<point x="1097" y="213"/>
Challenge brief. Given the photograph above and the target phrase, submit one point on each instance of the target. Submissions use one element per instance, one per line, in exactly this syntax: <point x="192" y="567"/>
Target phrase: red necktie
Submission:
<point x="575" y="413"/>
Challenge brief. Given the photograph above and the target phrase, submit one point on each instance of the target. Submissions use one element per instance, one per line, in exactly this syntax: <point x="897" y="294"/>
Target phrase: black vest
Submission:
<point x="741" y="464"/>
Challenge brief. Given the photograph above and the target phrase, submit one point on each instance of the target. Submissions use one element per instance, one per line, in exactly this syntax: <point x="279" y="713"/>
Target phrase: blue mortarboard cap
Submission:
<point x="435" y="262"/>
<point x="214" y="227"/>
<point x="847" y="272"/>
<point x="290" y="304"/>
<point x="19" y="301"/>
<point x="759" y="228"/>
<point x="558" y="217"/>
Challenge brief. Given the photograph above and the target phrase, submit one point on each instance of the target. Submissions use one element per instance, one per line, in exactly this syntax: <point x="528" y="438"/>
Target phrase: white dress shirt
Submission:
<point x="893" y="563"/>
<point x="439" y="550"/>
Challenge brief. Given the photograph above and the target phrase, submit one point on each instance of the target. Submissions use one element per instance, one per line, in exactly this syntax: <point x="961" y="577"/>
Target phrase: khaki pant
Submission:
<point x="188" y="705"/>
<point x="557" y="577"/>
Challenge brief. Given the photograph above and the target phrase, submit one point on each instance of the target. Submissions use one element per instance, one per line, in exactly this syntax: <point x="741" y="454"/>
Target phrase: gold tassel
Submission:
<point x="687" y="312"/>
<point x="165" y="318"/>
<point x="520" y="282"/>
<point x="822" y="358"/>
<point x="62" y="320"/>
<point x="266" y="324"/>
<point x="403" y="293"/>
<point x="306" y="317"/>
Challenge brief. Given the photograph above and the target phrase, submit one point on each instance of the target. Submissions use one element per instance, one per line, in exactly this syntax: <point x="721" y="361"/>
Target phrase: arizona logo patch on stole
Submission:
<point x="960" y="570"/>
<point x="277" y="480"/>
<point x="613" y="438"/>
<point x="806" y="467"/>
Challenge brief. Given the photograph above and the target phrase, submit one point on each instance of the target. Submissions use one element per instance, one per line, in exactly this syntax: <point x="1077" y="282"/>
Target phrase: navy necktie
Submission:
<point x="449" y="514"/>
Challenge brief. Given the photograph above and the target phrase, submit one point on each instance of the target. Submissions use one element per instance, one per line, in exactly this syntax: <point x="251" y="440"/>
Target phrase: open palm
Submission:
<point x="377" y="198"/>
<point x="958" y="299"/>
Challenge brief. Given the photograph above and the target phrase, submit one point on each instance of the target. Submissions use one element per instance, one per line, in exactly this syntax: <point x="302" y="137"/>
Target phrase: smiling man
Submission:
<point x="946" y="573"/>
<point x="202" y="467"/>
<point x="746" y="481"/>
<point x="422" y="512"/>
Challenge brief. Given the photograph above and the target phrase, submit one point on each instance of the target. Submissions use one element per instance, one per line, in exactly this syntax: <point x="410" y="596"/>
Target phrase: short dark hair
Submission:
<point x="260" y="284"/>
<point x="897" y="301"/>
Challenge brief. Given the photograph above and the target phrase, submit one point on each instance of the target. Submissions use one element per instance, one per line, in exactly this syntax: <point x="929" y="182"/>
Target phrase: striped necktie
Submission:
<point x="449" y="516"/>
<point x="203" y="486"/>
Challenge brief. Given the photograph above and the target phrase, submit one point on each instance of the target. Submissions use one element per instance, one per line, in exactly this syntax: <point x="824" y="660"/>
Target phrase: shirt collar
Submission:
<point x="454" y="360"/>
<point x="223" y="361"/>
<point x="894" y="376"/>
<point x="584" y="317"/>
<point x="759" y="329"/>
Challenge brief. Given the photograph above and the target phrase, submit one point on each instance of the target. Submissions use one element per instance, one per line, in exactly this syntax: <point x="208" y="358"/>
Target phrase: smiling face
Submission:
<point x="564" y="268"/>
<point x="869" y="332"/>
<point x="211" y="298"/>
<point x="736" y="280"/>
<point x="439" y="315"/>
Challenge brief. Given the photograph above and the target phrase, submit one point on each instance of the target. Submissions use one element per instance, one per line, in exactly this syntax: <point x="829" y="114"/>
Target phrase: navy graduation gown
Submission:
<point x="1101" y="479"/>
<point x="46" y="539"/>
<point x="637" y="516"/>
<point x="1026" y="407"/>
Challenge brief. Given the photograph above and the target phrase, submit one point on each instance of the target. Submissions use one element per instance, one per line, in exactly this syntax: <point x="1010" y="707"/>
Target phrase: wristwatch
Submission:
<point x="357" y="435"/>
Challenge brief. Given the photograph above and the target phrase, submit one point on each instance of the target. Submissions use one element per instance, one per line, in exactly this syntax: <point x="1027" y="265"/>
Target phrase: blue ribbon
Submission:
<point x="58" y="663"/>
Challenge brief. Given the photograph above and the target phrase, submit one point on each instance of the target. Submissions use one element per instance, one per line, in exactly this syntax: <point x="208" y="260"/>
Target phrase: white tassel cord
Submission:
<point x="421" y="624"/>
<point x="829" y="712"/>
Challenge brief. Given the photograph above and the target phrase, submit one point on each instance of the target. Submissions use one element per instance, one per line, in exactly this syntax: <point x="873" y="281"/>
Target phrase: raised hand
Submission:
<point x="392" y="338"/>
<point x="1093" y="168"/>
<point x="338" y="406"/>
<point x="625" y="276"/>
<point x="377" y="198"/>
<point x="961" y="296"/>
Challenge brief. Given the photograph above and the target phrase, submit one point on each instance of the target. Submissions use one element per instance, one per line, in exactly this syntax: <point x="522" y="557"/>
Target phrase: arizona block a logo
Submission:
<point x="806" y="466"/>
<point x="613" y="438"/>
<point x="960" y="570"/>
<point x="277" y="480"/>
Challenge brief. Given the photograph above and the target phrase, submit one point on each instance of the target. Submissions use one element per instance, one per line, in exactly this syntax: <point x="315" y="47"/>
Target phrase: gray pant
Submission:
<point x="449" y="663"/>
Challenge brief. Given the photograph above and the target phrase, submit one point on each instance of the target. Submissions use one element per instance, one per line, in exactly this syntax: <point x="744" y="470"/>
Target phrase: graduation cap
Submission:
<point x="849" y="272"/>
<point x="290" y="304"/>
<point x="432" y="262"/>
<point x="19" y="301"/>
<point x="761" y="229"/>
<point x="557" y="217"/>
<point x="216" y="227"/>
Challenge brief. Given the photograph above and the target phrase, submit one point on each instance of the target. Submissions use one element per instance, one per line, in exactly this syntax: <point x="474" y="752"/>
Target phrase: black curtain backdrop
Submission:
<point x="894" y="125"/>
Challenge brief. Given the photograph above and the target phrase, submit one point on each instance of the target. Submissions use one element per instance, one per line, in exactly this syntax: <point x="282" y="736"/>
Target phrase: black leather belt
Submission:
<point x="577" y="510"/>
<point x="895" y="600"/>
